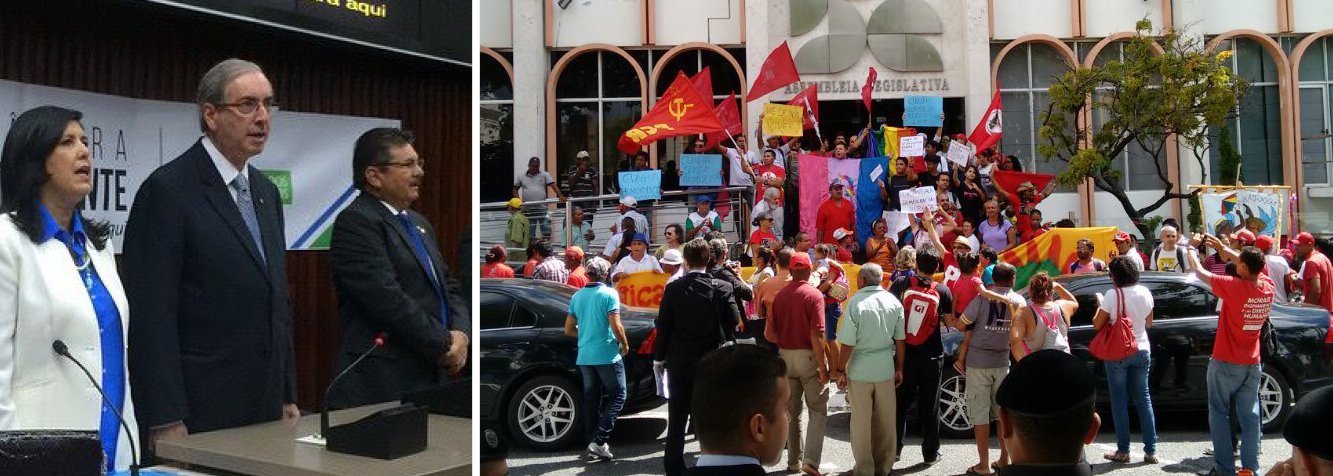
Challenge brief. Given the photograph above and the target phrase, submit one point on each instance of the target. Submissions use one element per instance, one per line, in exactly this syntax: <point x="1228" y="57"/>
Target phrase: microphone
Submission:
<point x="63" y="351"/>
<point x="324" y="408"/>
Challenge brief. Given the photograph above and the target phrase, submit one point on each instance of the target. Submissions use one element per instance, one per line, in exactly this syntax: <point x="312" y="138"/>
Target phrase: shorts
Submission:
<point x="832" y="316"/>
<point x="982" y="385"/>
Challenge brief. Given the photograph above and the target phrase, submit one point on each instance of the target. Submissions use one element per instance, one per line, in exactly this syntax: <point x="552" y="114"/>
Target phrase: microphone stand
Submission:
<point x="61" y="349"/>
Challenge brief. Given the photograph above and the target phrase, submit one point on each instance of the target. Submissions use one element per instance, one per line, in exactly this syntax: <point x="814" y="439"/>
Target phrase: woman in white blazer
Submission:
<point x="58" y="281"/>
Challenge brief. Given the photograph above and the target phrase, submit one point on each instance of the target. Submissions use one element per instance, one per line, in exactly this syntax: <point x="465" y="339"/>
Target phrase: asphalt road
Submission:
<point x="638" y="440"/>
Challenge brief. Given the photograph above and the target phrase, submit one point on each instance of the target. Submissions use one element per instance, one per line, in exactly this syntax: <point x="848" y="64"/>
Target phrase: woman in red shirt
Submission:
<point x="495" y="266"/>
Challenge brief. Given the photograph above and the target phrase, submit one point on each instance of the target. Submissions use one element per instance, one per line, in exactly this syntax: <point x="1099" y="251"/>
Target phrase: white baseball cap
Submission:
<point x="672" y="257"/>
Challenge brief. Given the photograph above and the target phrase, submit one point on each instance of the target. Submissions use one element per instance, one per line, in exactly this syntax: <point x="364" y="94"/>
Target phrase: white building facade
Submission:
<point x="557" y="79"/>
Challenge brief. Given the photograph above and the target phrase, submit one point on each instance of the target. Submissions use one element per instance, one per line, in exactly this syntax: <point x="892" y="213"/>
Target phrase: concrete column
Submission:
<point x="976" y="51"/>
<point x="532" y="64"/>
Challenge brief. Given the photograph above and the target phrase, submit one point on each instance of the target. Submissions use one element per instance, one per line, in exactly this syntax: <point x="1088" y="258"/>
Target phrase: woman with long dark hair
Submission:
<point x="59" y="282"/>
<point x="971" y="197"/>
<point x="1128" y="379"/>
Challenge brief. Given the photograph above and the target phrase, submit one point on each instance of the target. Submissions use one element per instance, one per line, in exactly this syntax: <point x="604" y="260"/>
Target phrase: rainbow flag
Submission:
<point x="885" y="141"/>
<point x="1055" y="249"/>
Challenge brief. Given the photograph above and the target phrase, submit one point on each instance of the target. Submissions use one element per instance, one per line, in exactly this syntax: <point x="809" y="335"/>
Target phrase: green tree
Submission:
<point x="1145" y="98"/>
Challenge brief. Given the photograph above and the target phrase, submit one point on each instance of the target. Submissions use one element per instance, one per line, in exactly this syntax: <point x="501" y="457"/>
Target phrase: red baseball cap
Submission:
<point x="1265" y="243"/>
<point x="1122" y="236"/>
<point x="1245" y="236"/>
<point x="1305" y="238"/>
<point x="799" y="261"/>
<point x="959" y="137"/>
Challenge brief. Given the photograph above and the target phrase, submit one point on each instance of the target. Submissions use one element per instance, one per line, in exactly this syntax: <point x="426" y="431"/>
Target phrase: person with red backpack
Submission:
<point x="926" y="305"/>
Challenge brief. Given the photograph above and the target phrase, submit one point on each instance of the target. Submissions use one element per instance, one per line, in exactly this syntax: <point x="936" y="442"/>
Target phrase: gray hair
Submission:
<point x="772" y="192"/>
<point x="1167" y="227"/>
<point x="871" y="274"/>
<point x="718" y="248"/>
<point x="213" y="86"/>
<point x="597" y="268"/>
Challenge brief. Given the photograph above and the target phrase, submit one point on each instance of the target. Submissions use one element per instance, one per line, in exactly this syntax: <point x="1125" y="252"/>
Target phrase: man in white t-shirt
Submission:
<point x="638" y="259"/>
<point x="1278" y="269"/>
<point x="740" y="159"/>
<point x="1169" y="255"/>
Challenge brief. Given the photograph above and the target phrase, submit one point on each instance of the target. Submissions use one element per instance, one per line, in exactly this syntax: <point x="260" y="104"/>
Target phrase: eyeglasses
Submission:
<point x="419" y="163"/>
<point x="248" y="106"/>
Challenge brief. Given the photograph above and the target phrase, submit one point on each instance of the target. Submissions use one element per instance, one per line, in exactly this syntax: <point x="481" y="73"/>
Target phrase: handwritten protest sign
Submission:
<point x="642" y="185"/>
<point x="701" y="170"/>
<point x="783" y="120"/>
<point x="923" y="111"/>
<point x="911" y="146"/>
<point x="917" y="200"/>
<point x="959" y="153"/>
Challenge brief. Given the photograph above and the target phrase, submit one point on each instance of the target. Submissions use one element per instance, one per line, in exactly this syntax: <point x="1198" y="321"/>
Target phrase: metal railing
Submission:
<point x="601" y="210"/>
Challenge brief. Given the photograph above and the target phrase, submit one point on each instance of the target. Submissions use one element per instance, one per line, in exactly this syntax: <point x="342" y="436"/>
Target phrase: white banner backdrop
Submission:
<point x="308" y="156"/>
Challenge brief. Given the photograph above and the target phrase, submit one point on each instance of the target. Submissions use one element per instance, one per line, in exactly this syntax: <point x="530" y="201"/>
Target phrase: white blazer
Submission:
<point x="43" y="298"/>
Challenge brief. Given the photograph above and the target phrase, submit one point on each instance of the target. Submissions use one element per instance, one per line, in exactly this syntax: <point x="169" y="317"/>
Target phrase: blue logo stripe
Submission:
<point x="324" y="217"/>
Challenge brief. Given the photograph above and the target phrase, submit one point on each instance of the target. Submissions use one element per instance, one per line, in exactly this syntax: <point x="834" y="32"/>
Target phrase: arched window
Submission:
<point x="1024" y="75"/>
<point x="1316" y="98"/>
<point x="1254" y="135"/>
<point x="496" y="101"/>
<point x="598" y="96"/>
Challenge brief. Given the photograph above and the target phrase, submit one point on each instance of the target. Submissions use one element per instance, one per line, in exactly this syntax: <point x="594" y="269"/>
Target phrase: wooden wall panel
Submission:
<point x="140" y="50"/>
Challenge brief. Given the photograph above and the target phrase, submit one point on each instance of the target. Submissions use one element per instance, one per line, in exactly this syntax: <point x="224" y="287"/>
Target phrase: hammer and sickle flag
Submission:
<point x="680" y="111"/>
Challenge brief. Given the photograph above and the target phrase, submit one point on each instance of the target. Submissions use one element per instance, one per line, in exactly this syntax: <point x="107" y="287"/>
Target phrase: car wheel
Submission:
<point x="544" y="413"/>
<point x="953" y="406"/>
<point x="1275" y="399"/>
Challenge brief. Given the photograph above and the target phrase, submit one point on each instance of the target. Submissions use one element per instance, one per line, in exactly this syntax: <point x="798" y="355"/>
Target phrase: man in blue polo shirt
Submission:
<point x="594" y="318"/>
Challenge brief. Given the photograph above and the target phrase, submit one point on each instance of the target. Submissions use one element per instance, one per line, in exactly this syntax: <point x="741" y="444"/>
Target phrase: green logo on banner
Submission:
<point x="283" y="179"/>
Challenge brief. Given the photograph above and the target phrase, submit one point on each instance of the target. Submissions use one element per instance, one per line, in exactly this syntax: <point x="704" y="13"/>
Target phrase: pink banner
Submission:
<point x="814" y="190"/>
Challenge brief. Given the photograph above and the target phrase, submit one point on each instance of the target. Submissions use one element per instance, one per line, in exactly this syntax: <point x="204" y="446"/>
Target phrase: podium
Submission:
<point x="271" y="449"/>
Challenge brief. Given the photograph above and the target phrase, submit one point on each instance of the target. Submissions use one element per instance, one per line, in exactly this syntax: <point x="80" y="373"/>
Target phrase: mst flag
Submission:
<point x="869" y="87"/>
<point x="681" y="111"/>
<point x="810" y="96"/>
<point x="987" y="132"/>
<point x="779" y="70"/>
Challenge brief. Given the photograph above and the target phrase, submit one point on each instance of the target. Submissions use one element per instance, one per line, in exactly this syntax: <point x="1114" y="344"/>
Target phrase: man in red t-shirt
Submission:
<point x="797" y="327"/>
<point x="836" y="212"/>
<point x="768" y="174"/>
<point x="1316" y="277"/>
<point x="1233" y="372"/>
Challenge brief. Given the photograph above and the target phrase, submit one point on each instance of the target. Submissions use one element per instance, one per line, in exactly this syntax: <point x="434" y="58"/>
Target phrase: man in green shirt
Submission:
<point x="516" y="234"/>
<point x="871" y="334"/>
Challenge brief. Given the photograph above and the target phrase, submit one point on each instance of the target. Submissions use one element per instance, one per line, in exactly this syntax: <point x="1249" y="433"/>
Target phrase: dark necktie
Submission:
<point x="423" y="257"/>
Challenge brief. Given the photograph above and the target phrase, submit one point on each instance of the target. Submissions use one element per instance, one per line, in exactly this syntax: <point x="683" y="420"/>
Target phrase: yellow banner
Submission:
<point x="783" y="120"/>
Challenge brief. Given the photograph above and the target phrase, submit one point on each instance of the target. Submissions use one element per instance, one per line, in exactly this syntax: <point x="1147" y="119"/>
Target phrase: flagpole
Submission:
<point x="813" y="120"/>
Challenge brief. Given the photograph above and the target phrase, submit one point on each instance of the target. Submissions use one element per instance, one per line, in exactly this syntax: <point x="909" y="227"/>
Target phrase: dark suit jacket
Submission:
<point x="383" y="287"/>
<point x="210" y="322"/>
<point x="737" y="470"/>
<point x="697" y="313"/>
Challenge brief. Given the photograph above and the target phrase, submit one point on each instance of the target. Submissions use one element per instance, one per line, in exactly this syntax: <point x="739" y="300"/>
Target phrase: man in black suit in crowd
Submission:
<point x="697" y="314"/>
<point x="390" y="278"/>
<point x="211" y="327"/>
<point x="740" y="411"/>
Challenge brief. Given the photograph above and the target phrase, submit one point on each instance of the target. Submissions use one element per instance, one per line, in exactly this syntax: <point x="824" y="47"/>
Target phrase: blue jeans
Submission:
<point x="832" y="311"/>
<point x="603" y="397"/>
<point x="1233" y="385"/>
<point x="1129" y="379"/>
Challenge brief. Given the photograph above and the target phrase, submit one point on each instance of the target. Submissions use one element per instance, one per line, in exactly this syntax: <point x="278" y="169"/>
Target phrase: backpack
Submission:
<point x="1115" y="342"/>
<point x="921" y="309"/>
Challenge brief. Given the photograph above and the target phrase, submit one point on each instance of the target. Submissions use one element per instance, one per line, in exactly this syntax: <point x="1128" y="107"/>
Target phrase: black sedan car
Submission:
<point x="529" y="381"/>
<point x="1184" y="327"/>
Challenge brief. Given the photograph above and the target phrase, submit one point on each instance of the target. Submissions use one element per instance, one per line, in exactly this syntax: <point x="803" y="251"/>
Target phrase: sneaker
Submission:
<point x="601" y="451"/>
<point x="1150" y="458"/>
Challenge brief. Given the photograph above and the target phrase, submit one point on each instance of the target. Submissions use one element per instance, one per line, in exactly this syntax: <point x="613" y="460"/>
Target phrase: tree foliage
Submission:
<point x="1144" y="98"/>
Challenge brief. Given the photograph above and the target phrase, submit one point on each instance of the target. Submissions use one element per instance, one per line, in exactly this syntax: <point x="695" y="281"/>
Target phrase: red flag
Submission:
<point x="869" y="87"/>
<point x="1012" y="181"/>
<point x="730" y="117"/>
<point x="988" y="131"/>
<point x="809" y="96"/>
<point x="779" y="70"/>
<point x="681" y="111"/>
<point x="703" y="82"/>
